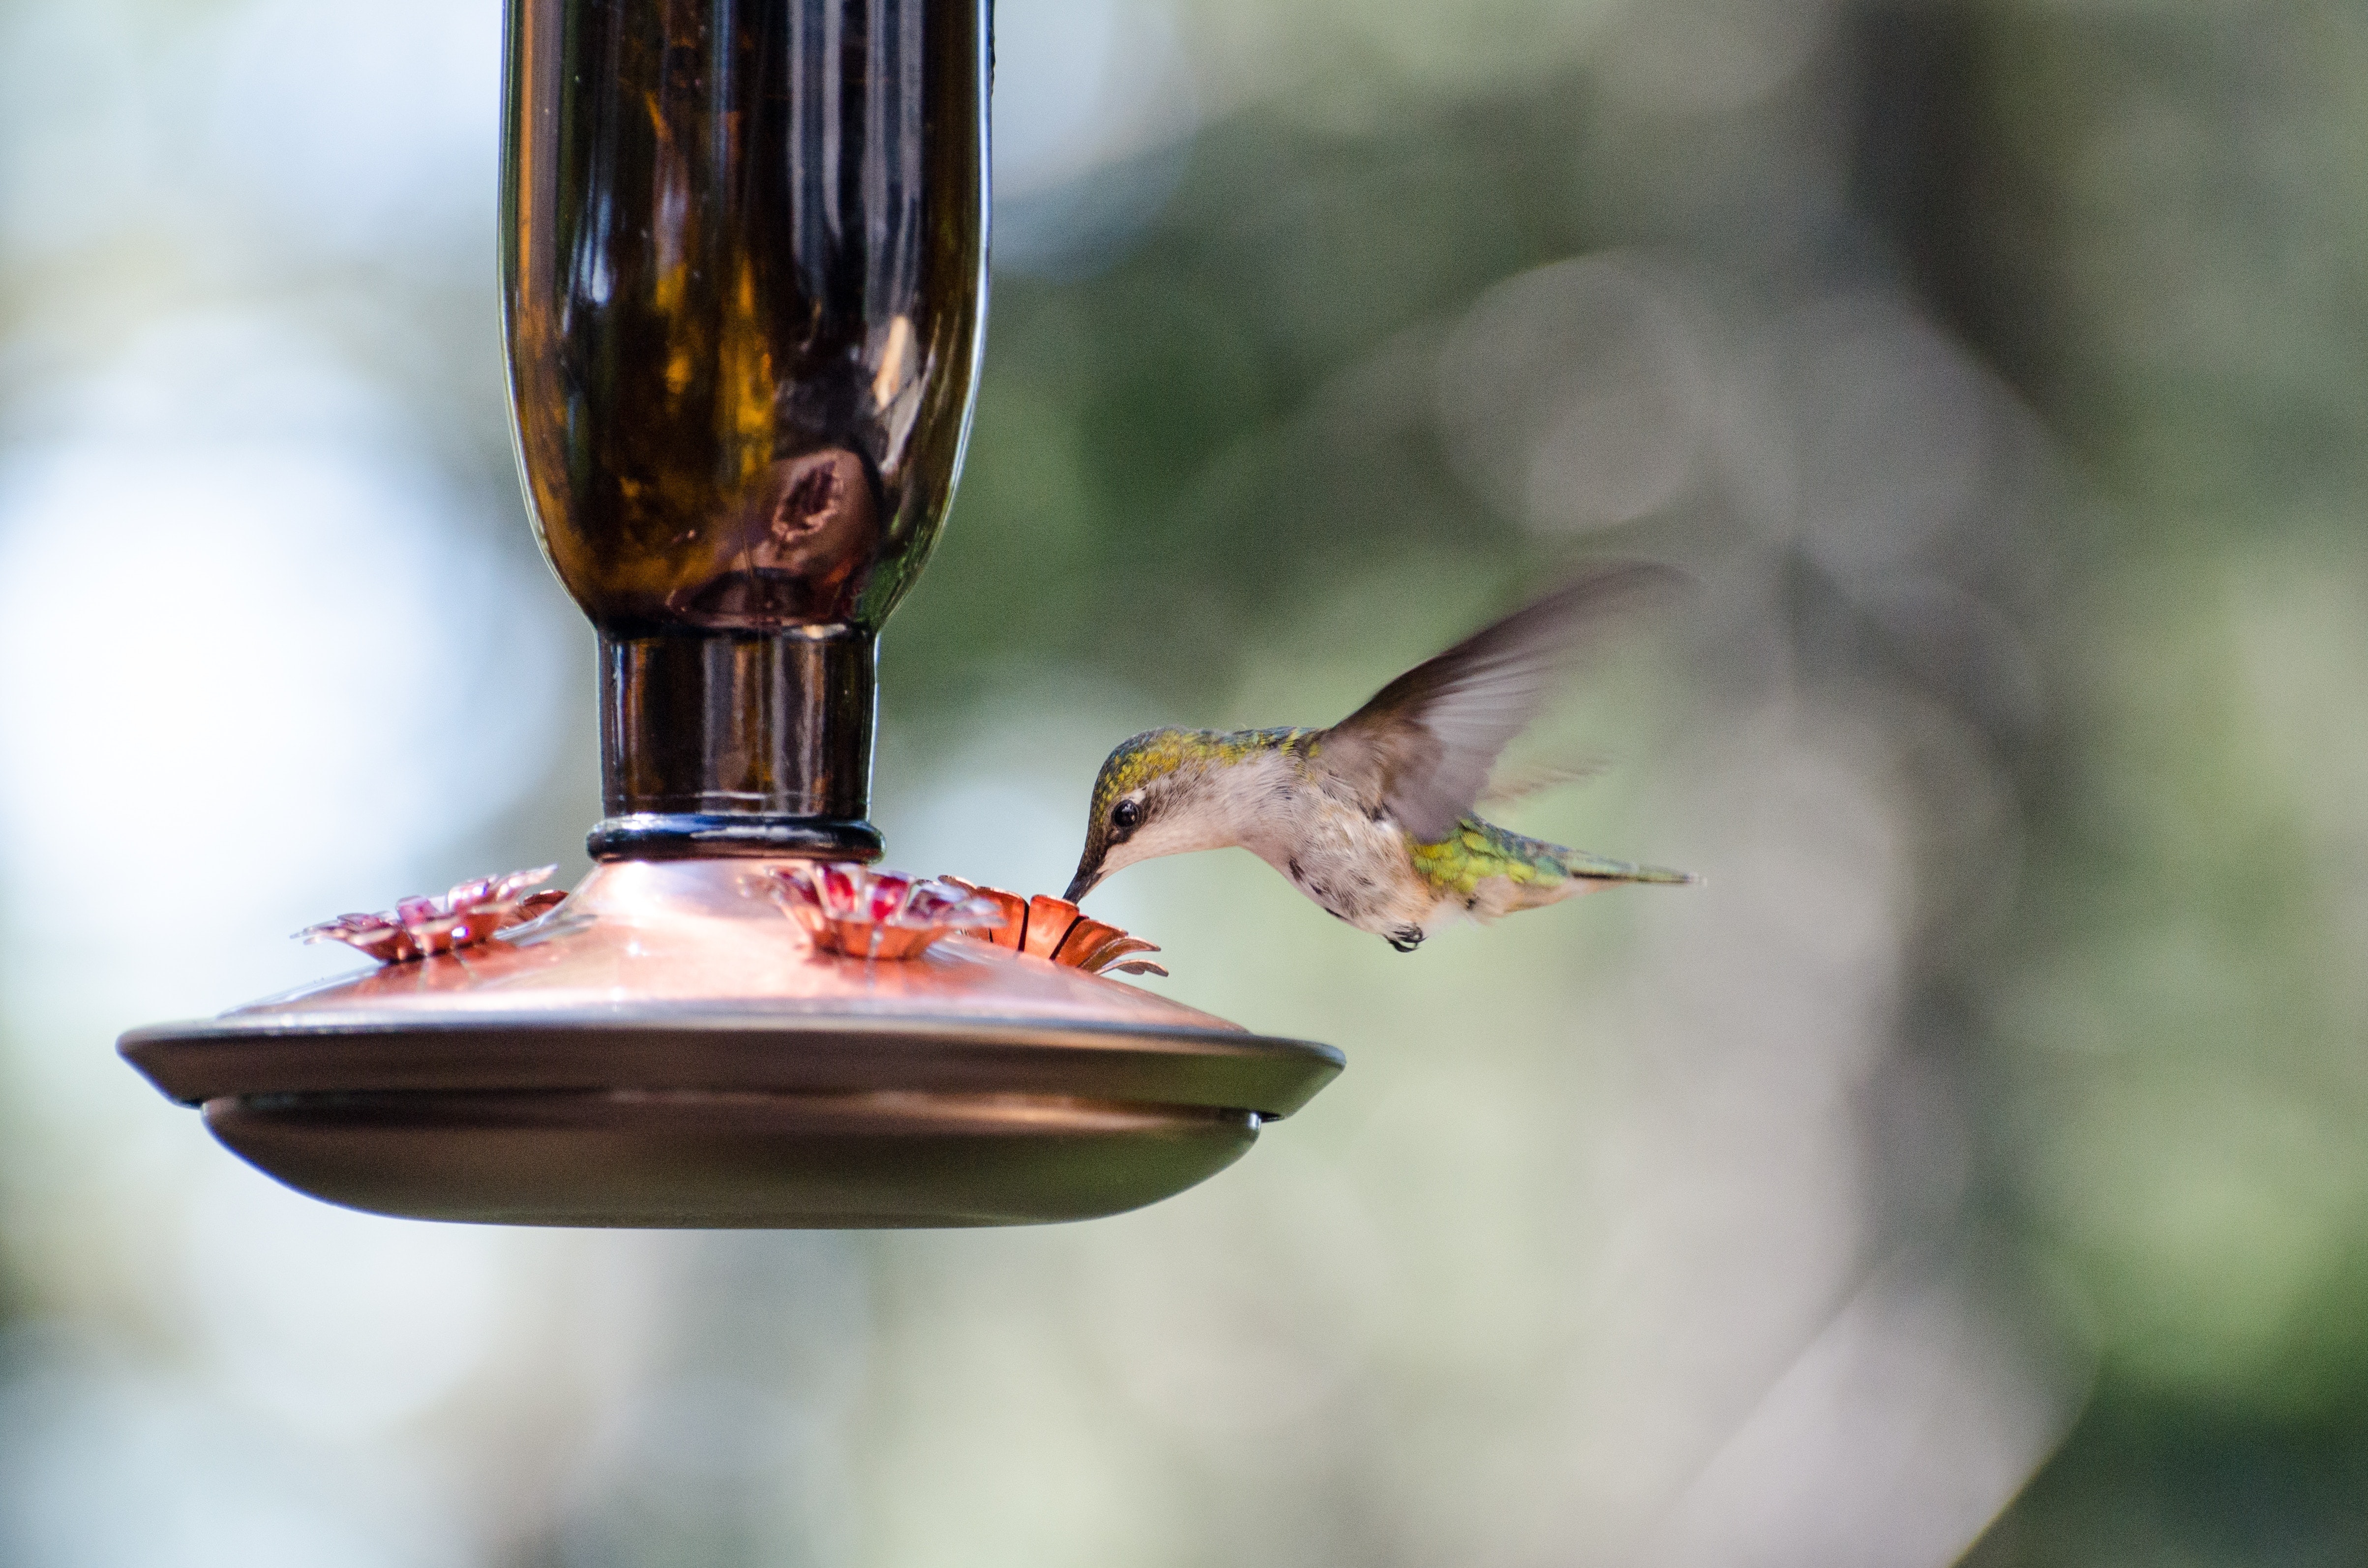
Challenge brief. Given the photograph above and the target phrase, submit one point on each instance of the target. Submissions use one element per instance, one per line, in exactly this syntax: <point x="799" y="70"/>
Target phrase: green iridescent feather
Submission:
<point x="1153" y="753"/>
<point x="1479" y="850"/>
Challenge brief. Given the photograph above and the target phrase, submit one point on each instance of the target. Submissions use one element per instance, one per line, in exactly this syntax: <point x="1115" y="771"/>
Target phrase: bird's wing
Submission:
<point x="1519" y="783"/>
<point x="1424" y="745"/>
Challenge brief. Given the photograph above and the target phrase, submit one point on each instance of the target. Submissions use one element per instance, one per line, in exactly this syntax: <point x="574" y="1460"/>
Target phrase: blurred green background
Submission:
<point x="1973" y="1165"/>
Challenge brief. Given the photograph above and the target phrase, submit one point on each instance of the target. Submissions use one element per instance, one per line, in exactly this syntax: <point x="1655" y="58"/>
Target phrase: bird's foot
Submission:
<point x="1405" y="938"/>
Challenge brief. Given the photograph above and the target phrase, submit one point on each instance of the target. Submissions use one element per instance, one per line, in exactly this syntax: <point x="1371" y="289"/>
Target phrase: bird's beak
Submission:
<point x="1090" y="871"/>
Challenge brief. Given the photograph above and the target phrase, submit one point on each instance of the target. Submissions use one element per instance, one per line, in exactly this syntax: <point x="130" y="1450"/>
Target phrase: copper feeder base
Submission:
<point x="668" y="1049"/>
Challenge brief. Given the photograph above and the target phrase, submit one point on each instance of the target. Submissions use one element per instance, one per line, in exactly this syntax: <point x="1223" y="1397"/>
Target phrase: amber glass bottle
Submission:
<point x="743" y="272"/>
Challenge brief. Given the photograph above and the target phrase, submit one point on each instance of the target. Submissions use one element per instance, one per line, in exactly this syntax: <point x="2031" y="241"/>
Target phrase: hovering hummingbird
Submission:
<point x="1373" y="818"/>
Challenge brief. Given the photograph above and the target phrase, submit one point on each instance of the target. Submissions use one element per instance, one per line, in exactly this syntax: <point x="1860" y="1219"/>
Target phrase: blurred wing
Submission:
<point x="1507" y="785"/>
<point x="1424" y="746"/>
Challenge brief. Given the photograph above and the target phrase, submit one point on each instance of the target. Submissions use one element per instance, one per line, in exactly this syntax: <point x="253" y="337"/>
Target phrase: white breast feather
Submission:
<point x="1331" y="850"/>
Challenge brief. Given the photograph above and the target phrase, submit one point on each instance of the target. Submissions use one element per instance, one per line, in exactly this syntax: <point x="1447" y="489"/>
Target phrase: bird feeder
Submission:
<point x="744" y="271"/>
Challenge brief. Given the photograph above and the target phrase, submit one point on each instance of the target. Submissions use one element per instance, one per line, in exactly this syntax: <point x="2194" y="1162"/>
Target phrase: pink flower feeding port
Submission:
<point x="846" y="908"/>
<point x="418" y="927"/>
<point x="739" y="424"/>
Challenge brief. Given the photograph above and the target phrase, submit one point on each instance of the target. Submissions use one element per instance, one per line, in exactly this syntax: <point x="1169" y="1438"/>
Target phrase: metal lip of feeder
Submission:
<point x="744" y="287"/>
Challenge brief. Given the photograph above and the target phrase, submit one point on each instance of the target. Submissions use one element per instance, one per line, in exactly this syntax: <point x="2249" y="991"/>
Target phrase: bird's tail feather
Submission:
<point x="1598" y="869"/>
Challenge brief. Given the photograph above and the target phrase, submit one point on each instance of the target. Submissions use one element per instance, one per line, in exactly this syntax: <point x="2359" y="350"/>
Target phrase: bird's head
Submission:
<point x="1153" y="797"/>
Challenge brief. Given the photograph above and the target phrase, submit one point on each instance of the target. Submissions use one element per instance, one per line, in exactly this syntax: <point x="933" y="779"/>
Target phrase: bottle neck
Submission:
<point x="736" y="744"/>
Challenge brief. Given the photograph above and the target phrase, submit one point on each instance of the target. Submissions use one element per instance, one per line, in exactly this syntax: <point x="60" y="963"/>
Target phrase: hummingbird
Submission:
<point x="1373" y="818"/>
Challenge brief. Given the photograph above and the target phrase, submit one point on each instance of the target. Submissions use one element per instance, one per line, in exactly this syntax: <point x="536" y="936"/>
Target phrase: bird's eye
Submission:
<point x="1125" y="814"/>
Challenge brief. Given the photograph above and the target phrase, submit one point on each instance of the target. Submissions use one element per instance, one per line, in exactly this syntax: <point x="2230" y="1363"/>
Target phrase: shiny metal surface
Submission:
<point x="668" y="1048"/>
<point x="709" y="1160"/>
<point x="709" y="933"/>
<point x="744" y="278"/>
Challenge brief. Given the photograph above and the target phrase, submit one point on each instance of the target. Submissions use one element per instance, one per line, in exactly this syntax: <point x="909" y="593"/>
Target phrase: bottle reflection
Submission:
<point x="791" y="559"/>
